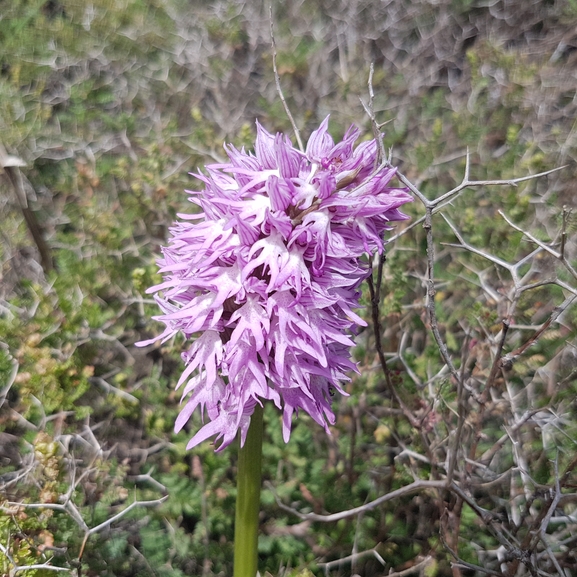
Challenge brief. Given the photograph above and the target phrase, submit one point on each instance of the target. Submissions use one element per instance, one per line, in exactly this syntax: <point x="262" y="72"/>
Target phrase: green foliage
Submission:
<point x="14" y="524"/>
<point x="110" y="103"/>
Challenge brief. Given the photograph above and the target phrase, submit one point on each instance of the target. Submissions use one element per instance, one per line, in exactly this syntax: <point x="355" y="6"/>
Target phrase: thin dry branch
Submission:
<point x="508" y="360"/>
<point x="117" y="517"/>
<point x="279" y="88"/>
<point x="369" y="109"/>
<point x="377" y="329"/>
<point x="15" y="569"/>
<point x="403" y="491"/>
<point x="11" y="166"/>
<point x="560" y="255"/>
<point x="447" y="198"/>
<point x="114" y="390"/>
<point x="351" y="559"/>
<point x="431" y="292"/>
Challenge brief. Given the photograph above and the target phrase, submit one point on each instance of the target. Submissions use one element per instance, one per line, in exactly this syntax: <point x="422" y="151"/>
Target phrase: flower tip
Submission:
<point x="142" y="344"/>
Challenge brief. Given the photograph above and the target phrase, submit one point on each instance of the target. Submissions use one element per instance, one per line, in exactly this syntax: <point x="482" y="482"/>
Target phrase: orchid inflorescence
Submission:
<point x="265" y="279"/>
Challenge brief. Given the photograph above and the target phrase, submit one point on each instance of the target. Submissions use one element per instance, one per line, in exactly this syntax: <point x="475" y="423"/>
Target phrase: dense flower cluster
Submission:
<point x="268" y="275"/>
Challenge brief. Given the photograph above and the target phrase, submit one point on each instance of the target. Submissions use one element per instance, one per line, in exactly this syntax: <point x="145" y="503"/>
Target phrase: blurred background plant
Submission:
<point x="104" y="108"/>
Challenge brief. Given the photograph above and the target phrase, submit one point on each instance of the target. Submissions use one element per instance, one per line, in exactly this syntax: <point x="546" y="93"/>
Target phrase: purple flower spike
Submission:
<point x="266" y="277"/>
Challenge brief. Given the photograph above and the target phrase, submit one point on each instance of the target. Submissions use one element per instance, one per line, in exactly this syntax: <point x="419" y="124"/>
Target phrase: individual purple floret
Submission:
<point x="265" y="279"/>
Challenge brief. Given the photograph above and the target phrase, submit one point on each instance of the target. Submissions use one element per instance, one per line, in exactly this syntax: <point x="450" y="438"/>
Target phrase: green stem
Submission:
<point x="248" y="500"/>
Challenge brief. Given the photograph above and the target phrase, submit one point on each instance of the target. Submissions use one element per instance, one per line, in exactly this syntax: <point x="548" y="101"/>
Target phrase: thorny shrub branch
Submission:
<point x="67" y="505"/>
<point x="461" y="464"/>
